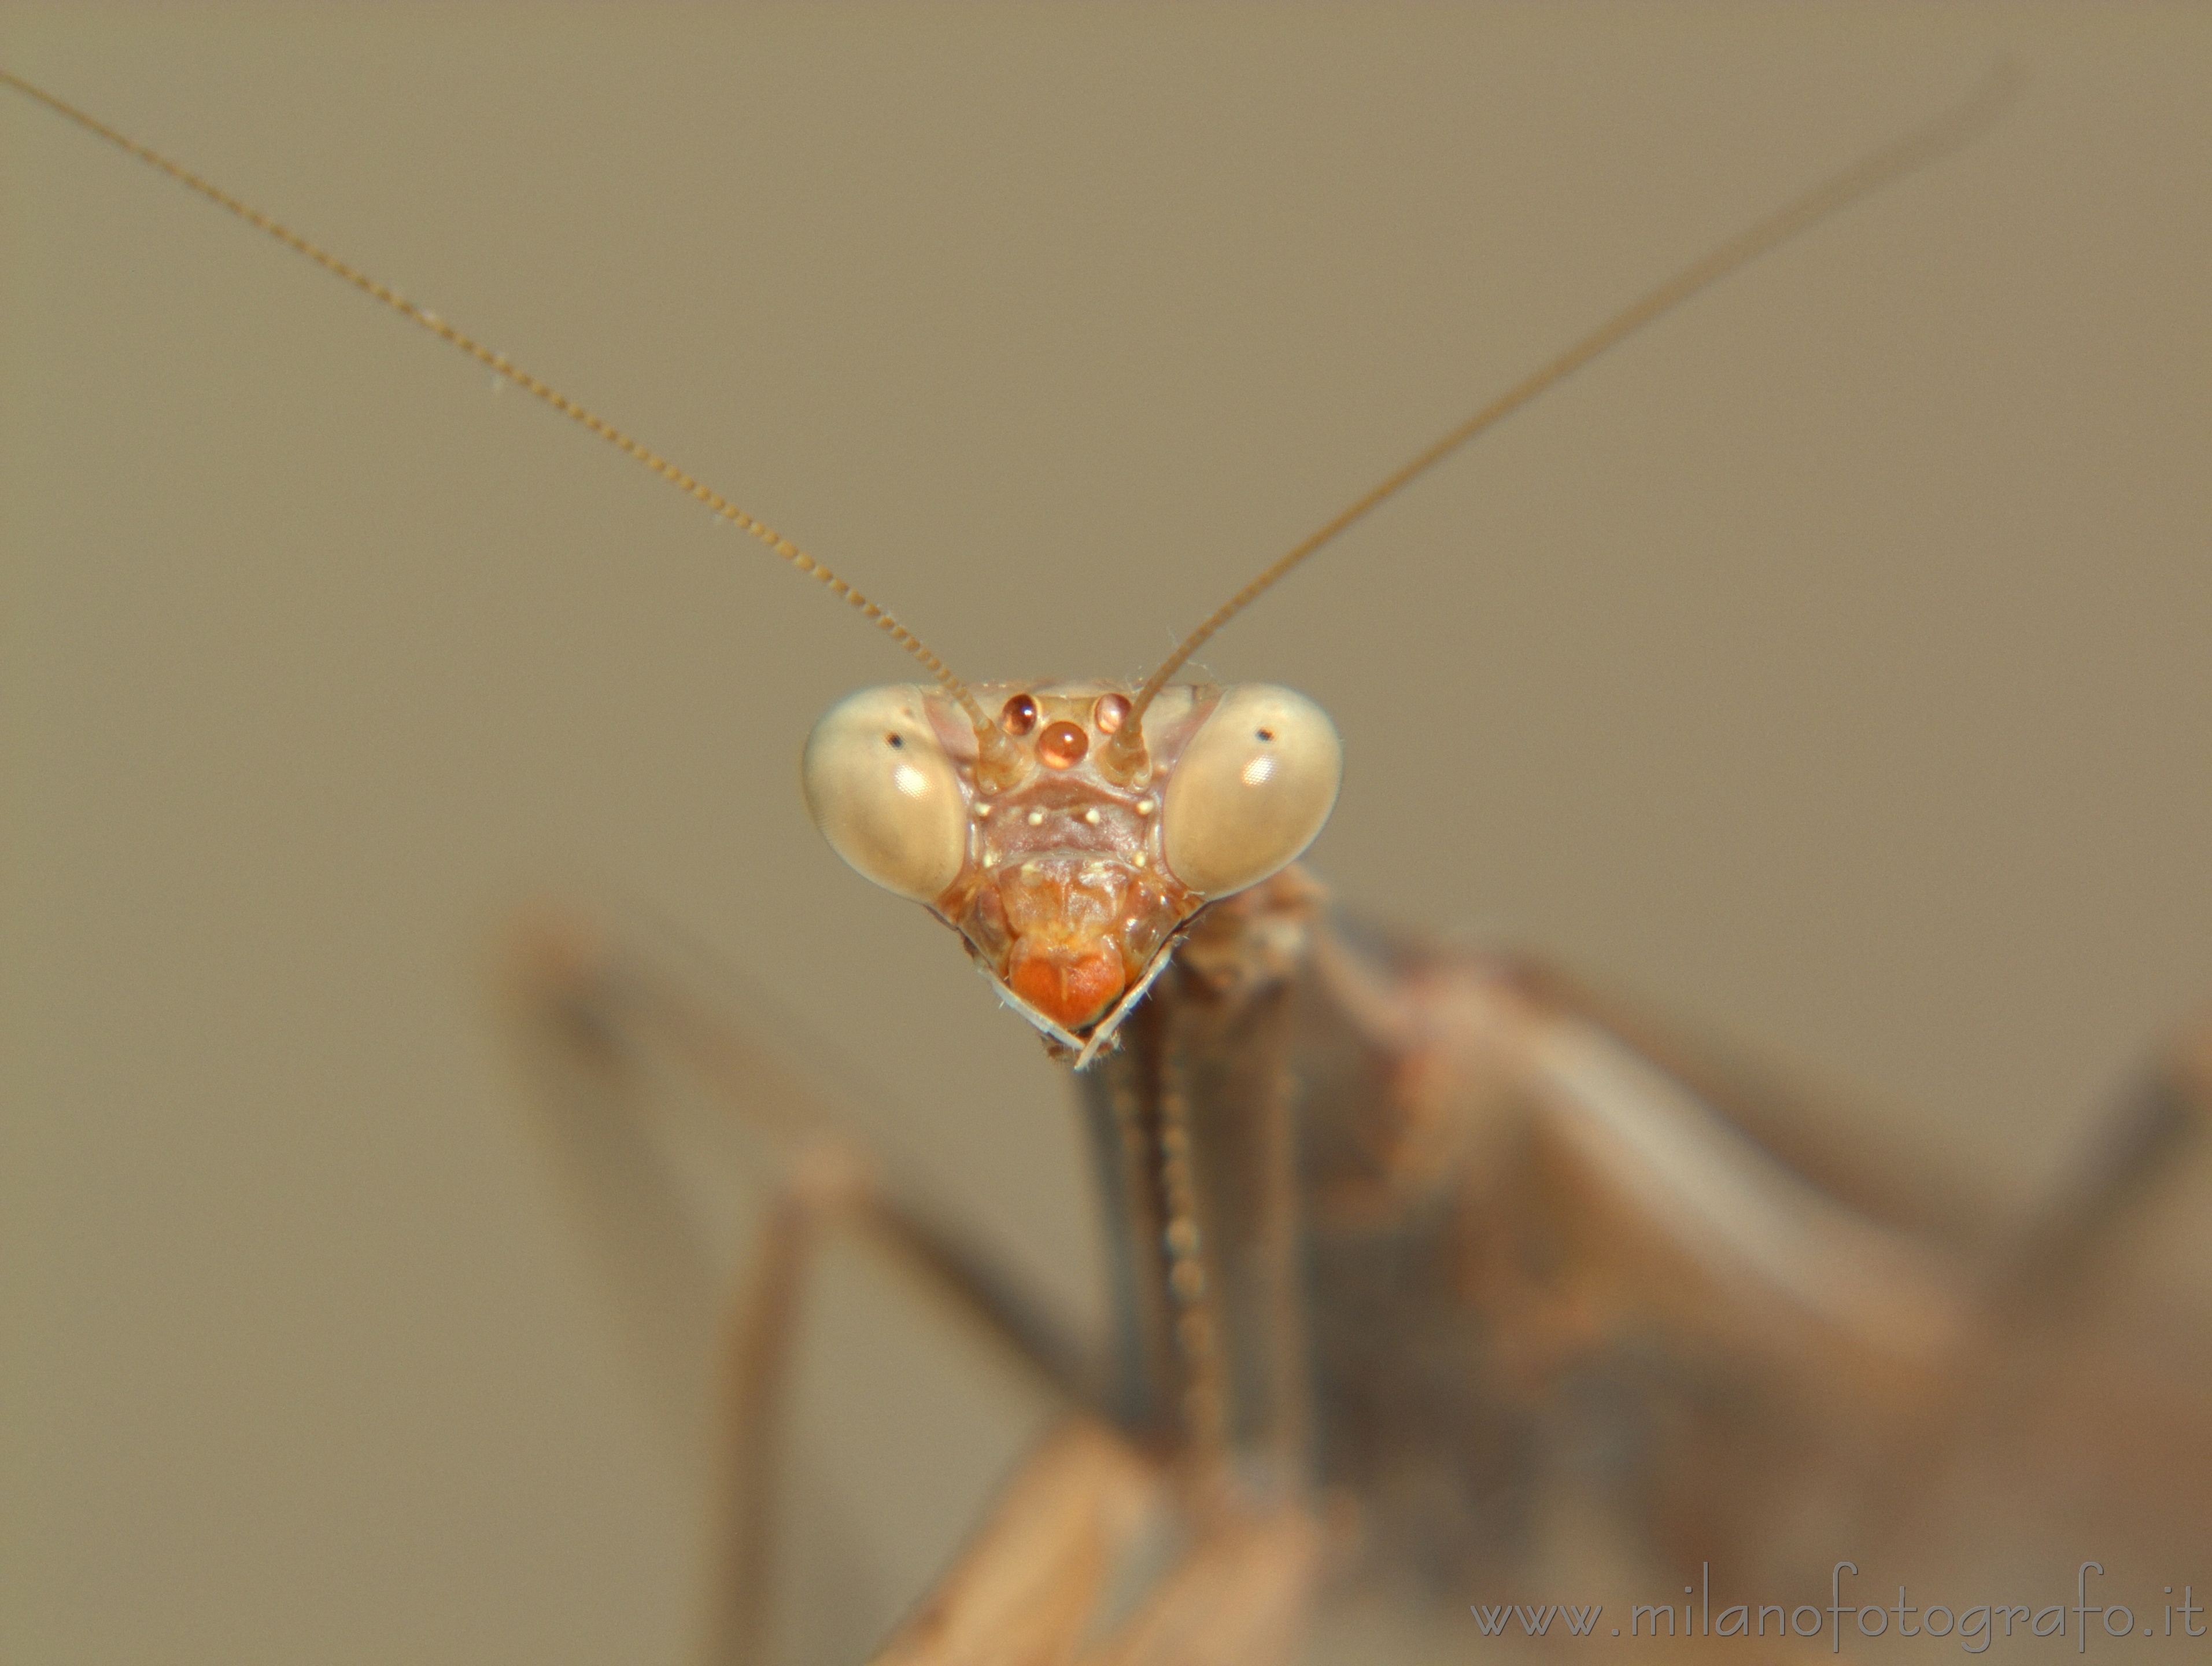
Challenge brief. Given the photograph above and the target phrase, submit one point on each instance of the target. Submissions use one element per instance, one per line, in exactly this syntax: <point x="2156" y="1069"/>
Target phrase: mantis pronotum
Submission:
<point x="1632" y="905"/>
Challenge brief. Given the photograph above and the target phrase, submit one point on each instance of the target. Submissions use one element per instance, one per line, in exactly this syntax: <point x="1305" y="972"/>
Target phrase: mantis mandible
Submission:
<point x="631" y="403"/>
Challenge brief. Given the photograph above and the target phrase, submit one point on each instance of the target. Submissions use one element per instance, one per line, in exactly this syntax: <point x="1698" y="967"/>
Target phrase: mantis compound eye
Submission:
<point x="1251" y="790"/>
<point x="881" y="789"/>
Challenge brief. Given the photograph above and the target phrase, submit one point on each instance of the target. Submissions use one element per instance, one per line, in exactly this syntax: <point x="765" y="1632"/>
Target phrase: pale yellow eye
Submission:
<point x="1251" y="790"/>
<point x="881" y="789"/>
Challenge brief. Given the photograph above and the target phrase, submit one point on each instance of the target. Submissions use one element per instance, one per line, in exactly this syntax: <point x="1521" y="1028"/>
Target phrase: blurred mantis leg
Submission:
<point x="1031" y="1581"/>
<point x="761" y="1346"/>
<point x="2124" y="1176"/>
<point x="1239" y="1598"/>
<point x="1085" y="1558"/>
<point x="607" y="1029"/>
<point x="623" y="1055"/>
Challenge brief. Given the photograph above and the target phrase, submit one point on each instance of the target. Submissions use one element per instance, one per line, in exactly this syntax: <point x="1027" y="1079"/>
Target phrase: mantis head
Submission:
<point x="1070" y="838"/>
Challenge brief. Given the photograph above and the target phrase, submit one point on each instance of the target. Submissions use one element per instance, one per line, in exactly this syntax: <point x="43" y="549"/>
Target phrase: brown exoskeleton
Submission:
<point x="1641" y="1279"/>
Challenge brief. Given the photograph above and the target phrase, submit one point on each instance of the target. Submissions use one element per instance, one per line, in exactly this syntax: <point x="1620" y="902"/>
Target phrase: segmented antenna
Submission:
<point x="500" y="365"/>
<point x="1892" y="161"/>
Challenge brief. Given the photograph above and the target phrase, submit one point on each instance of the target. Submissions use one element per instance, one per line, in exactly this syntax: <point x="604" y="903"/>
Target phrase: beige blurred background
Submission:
<point x="1829" y="664"/>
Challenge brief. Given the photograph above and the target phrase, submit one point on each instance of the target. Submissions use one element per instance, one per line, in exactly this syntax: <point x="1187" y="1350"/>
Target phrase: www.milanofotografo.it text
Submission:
<point x="1847" y="1617"/>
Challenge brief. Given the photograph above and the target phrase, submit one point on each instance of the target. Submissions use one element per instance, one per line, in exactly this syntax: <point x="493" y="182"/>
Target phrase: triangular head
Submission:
<point x="1068" y="866"/>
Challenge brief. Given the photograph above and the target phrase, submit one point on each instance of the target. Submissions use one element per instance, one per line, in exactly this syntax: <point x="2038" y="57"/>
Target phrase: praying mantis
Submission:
<point x="1676" y="941"/>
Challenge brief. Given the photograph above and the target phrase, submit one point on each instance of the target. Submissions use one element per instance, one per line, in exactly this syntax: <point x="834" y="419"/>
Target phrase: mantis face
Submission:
<point x="1067" y="864"/>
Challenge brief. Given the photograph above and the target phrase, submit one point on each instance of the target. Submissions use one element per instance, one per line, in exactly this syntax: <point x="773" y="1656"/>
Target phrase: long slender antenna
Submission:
<point x="498" y="363"/>
<point x="1892" y="161"/>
